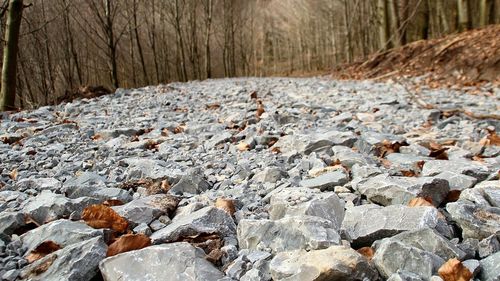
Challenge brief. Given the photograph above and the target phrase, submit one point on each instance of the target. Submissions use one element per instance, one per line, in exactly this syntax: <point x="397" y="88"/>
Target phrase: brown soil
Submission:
<point x="470" y="58"/>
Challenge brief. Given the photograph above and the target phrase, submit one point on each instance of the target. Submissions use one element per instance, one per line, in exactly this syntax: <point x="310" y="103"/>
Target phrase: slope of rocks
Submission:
<point x="255" y="179"/>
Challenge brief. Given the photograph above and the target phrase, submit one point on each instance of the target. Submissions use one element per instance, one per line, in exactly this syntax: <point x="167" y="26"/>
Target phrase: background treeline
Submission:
<point x="65" y="44"/>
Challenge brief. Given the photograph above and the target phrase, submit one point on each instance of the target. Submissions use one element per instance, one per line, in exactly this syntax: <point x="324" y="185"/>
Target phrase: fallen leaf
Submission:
<point x="386" y="163"/>
<point x="96" y="137"/>
<point x="419" y="201"/>
<point x="367" y="252"/>
<point x="43" y="266"/>
<point x="260" y="109"/>
<point x="213" y="106"/>
<point x="452" y="196"/>
<point x="454" y="270"/>
<point x="253" y="95"/>
<point x="101" y="216"/>
<point x="179" y="129"/>
<point x="13" y="174"/>
<point x="226" y="205"/>
<point x="42" y="250"/>
<point x="128" y="242"/>
<point x="112" y="202"/>
<point x="242" y="146"/>
<point x="209" y="243"/>
<point x="408" y="173"/>
<point x="276" y="150"/>
<point x="387" y="147"/>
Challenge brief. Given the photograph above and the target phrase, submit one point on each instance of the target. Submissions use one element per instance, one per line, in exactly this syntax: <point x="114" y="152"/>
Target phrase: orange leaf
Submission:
<point x="128" y="242"/>
<point x="13" y="174"/>
<point x="260" y="109"/>
<point x="454" y="270"/>
<point x="242" y="146"/>
<point x="42" y="250"/>
<point x="101" y="216"/>
<point x="226" y="205"/>
<point x="112" y="202"/>
<point x="419" y="201"/>
<point x="367" y="252"/>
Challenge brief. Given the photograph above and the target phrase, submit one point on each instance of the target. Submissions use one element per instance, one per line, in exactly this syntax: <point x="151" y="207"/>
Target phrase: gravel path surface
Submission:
<point x="253" y="179"/>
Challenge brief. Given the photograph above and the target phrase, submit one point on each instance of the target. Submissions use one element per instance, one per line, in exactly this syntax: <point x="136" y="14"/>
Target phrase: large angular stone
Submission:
<point x="84" y="185"/>
<point x="348" y="157"/>
<point x="386" y="190"/>
<point x="48" y="206"/>
<point x="10" y="221"/>
<point x="270" y="174"/>
<point x="39" y="184"/>
<point x="372" y="142"/>
<point x="366" y="223"/>
<point x="333" y="263"/>
<point x="77" y="262"/>
<point x="490" y="268"/>
<point x="484" y="194"/>
<point x="204" y="221"/>
<point x="327" y="181"/>
<point x="286" y="234"/>
<point x="150" y="168"/>
<point x="465" y="167"/>
<point x="298" y="201"/>
<point x="457" y="181"/>
<point x="147" y="209"/>
<point x="175" y="262"/>
<point x="475" y="221"/>
<point x="62" y="232"/>
<point x="392" y="256"/>
<point x="191" y="183"/>
<point x="429" y="240"/>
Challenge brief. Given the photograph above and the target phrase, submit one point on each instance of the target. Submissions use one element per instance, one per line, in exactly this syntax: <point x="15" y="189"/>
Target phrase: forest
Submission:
<point x="67" y="44"/>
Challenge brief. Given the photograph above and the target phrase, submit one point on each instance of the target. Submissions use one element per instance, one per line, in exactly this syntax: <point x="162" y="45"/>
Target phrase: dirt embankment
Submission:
<point x="466" y="59"/>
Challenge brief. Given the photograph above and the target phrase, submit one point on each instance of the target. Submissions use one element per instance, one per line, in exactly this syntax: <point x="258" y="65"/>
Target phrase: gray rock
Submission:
<point x="206" y="220"/>
<point x="11" y="275"/>
<point x="175" y="261"/>
<point x="217" y="139"/>
<point x="270" y="174"/>
<point x="387" y="190"/>
<point x="371" y="142"/>
<point x="402" y="275"/>
<point x="112" y="193"/>
<point x="469" y="168"/>
<point x="429" y="240"/>
<point x="473" y="266"/>
<point x="485" y="194"/>
<point x="327" y="181"/>
<point x="475" y="222"/>
<point x="77" y="262"/>
<point x="490" y="268"/>
<point x="39" y="184"/>
<point x="139" y="167"/>
<point x="192" y="183"/>
<point x="62" y="232"/>
<point x="390" y="254"/>
<point x="286" y="234"/>
<point x="347" y="157"/>
<point x="147" y="209"/>
<point x="10" y="221"/>
<point x="457" y="181"/>
<point x="84" y="185"/>
<point x="488" y="246"/>
<point x="48" y="206"/>
<point x="333" y="263"/>
<point x="304" y="201"/>
<point x="366" y="223"/>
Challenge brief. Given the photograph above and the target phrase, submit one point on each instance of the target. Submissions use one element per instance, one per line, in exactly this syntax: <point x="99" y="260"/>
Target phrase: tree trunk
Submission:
<point x="463" y="15"/>
<point x="139" y="45"/>
<point x="11" y="48"/>
<point x="208" y="12"/>
<point x="482" y="12"/>
<point x="382" y="24"/>
<point x="392" y="18"/>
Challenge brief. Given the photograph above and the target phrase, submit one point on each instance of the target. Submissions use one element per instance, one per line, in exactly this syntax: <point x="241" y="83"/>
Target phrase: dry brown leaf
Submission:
<point x="179" y="129"/>
<point x="42" y="250"/>
<point x="112" y="202"/>
<point x="453" y="196"/>
<point x="96" y="137"/>
<point x="44" y="266"/>
<point x="226" y="205"/>
<point x="388" y="147"/>
<point x="242" y="146"/>
<point x="367" y="252"/>
<point x="386" y="163"/>
<point x="454" y="270"/>
<point x="419" y="201"/>
<point x="101" y="216"/>
<point x="210" y="243"/>
<point x="213" y="106"/>
<point x="408" y="173"/>
<point x="260" y="109"/>
<point x="276" y="150"/>
<point x="128" y="242"/>
<point x="13" y="174"/>
<point x="253" y="95"/>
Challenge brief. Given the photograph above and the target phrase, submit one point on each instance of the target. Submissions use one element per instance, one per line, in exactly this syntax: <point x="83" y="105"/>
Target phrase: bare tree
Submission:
<point x="11" y="48"/>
